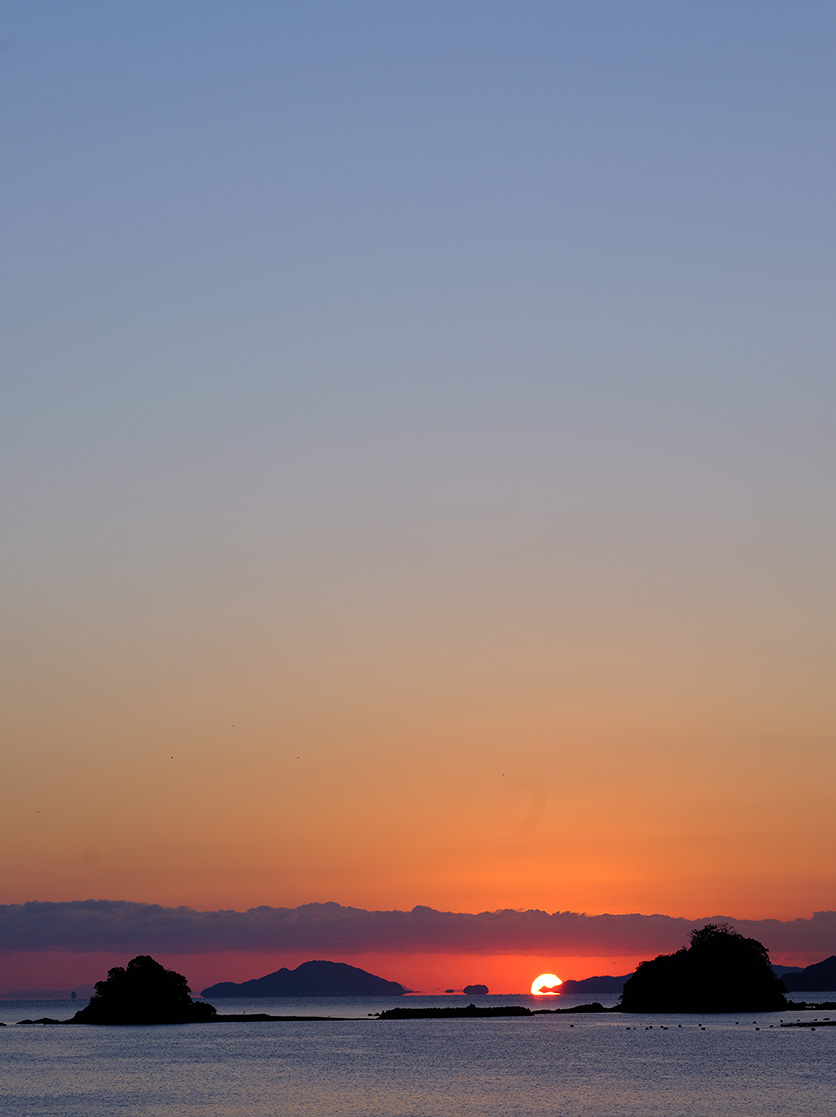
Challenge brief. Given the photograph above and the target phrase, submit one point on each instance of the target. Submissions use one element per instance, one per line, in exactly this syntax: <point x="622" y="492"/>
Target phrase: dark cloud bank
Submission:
<point x="118" y="925"/>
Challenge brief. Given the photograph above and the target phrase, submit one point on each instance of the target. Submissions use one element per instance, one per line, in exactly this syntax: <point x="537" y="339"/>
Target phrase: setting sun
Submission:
<point x="545" y="985"/>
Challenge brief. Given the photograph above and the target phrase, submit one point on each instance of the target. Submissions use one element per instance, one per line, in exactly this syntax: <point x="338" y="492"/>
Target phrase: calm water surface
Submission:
<point x="610" y="1066"/>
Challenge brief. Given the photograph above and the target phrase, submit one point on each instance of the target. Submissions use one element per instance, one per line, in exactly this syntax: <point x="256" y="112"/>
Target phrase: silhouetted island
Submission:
<point x="475" y="990"/>
<point x="721" y="971"/>
<point x="821" y="975"/>
<point x="311" y="979"/>
<point x="143" y="992"/>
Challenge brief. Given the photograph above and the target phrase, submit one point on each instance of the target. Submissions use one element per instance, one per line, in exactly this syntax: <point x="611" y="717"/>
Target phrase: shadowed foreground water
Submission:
<point x="611" y="1066"/>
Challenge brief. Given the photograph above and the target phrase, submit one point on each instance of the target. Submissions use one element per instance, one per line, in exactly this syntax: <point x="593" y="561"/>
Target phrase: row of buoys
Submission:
<point x="704" y="1027"/>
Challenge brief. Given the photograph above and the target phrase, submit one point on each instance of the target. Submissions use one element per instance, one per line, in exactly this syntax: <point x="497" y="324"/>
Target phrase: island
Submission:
<point x="476" y="990"/>
<point x="143" y="992"/>
<point x="310" y="979"/>
<point x="720" y="971"/>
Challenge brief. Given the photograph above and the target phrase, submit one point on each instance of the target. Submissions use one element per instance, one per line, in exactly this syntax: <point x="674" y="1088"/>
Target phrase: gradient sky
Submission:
<point x="417" y="455"/>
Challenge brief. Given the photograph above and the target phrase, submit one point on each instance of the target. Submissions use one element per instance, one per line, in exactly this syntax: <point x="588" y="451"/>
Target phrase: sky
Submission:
<point x="416" y="465"/>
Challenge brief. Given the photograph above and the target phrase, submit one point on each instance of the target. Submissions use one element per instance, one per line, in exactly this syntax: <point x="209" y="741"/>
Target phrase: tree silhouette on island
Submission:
<point x="721" y="971"/>
<point x="143" y="992"/>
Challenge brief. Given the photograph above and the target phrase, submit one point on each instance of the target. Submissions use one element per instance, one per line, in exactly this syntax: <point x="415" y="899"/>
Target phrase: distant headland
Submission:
<point x="821" y="975"/>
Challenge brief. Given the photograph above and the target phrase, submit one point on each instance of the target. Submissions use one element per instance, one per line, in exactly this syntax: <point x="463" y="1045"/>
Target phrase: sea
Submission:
<point x="356" y="1065"/>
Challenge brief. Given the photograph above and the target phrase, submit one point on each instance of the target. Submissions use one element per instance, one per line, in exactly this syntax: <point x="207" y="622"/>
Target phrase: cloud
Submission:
<point x="96" y="925"/>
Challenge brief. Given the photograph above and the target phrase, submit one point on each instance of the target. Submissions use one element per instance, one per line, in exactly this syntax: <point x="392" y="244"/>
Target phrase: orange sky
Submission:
<point x="395" y="520"/>
<point x="214" y="782"/>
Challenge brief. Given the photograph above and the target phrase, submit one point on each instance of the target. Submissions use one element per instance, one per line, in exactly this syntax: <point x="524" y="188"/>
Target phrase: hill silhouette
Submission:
<point x="143" y="992"/>
<point x="310" y="979"/>
<point x="721" y="971"/>
<point x="821" y="975"/>
<point x="603" y="983"/>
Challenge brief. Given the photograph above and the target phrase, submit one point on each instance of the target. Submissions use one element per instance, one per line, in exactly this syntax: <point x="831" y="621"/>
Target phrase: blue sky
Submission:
<point x="418" y="220"/>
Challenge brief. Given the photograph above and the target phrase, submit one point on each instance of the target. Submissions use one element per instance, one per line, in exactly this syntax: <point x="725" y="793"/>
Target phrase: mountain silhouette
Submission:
<point x="310" y="979"/>
<point x="821" y="975"/>
<point x="603" y="983"/>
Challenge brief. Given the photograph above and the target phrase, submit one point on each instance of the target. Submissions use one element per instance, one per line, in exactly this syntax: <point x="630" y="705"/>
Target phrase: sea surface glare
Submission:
<point x="568" y="1066"/>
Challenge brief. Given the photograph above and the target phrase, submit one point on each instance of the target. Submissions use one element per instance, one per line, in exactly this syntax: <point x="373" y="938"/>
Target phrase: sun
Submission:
<point x="545" y="985"/>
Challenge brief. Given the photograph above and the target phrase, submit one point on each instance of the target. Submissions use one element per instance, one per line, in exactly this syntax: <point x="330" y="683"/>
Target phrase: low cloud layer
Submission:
<point x="104" y="925"/>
